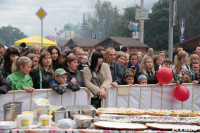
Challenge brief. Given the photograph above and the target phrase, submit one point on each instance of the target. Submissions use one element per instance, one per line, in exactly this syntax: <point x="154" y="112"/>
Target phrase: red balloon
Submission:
<point x="181" y="93"/>
<point x="164" y="75"/>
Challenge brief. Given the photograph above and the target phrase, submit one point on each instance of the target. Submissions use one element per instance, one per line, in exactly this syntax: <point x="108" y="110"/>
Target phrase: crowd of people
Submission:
<point x="98" y="69"/>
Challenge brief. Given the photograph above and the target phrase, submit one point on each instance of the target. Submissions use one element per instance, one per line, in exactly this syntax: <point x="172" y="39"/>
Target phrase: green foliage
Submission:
<point x="190" y="11"/>
<point x="9" y="34"/>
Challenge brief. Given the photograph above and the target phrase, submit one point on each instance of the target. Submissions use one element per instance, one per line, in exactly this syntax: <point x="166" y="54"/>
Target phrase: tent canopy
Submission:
<point x="30" y="41"/>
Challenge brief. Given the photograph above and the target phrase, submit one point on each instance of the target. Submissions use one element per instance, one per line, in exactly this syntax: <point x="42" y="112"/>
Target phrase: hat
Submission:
<point x="141" y="77"/>
<point x="60" y="71"/>
<point x="192" y="74"/>
<point x="23" y="44"/>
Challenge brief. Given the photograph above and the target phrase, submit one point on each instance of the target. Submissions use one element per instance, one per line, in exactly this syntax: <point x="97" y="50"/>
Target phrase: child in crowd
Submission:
<point x="167" y="63"/>
<point x="189" y="76"/>
<point x="128" y="78"/>
<point x="142" y="80"/>
<point x="60" y="83"/>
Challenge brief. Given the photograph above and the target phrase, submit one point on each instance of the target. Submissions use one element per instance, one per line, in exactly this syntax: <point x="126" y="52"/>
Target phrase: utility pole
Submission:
<point x="141" y="33"/>
<point x="170" y="43"/>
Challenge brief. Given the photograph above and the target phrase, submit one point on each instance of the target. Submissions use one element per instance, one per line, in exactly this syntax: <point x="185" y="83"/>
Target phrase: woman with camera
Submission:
<point x="134" y="65"/>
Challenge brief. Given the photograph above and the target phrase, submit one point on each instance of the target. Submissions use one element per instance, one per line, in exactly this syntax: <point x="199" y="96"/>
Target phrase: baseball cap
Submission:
<point x="141" y="77"/>
<point x="60" y="71"/>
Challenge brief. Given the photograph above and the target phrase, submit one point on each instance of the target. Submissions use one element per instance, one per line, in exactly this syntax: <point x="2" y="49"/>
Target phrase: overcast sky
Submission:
<point x="21" y="13"/>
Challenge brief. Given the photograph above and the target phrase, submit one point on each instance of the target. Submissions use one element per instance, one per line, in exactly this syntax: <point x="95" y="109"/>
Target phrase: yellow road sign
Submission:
<point x="41" y="13"/>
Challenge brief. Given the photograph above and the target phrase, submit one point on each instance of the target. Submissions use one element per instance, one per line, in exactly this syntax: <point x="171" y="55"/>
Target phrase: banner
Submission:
<point x="152" y="97"/>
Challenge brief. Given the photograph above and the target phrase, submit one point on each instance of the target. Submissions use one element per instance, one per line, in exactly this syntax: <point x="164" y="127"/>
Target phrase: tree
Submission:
<point x="157" y="27"/>
<point x="9" y="34"/>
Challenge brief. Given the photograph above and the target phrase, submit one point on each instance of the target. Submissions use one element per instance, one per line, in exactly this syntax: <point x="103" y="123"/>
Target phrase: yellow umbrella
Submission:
<point x="30" y="41"/>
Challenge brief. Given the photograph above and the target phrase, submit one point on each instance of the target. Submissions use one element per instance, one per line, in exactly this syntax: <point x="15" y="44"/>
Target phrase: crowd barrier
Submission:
<point x="141" y="97"/>
<point x="152" y="97"/>
<point x="81" y="97"/>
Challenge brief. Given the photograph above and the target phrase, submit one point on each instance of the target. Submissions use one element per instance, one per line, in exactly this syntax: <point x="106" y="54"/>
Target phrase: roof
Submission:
<point x="125" y="41"/>
<point x="62" y="42"/>
<point x="82" y="42"/>
<point x="191" y="41"/>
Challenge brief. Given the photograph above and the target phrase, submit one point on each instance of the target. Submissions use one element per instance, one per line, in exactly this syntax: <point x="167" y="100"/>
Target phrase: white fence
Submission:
<point x="142" y="97"/>
<point x="81" y="97"/>
<point x="152" y="97"/>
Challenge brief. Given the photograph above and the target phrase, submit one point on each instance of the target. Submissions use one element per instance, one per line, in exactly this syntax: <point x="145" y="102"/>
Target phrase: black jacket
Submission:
<point x="151" y="78"/>
<point x="116" y="72"/>
<point x="78" y="75"/>
<point x="6" y="71"/>
<point x="47" y="77"/>
<point x="4" y="85"/>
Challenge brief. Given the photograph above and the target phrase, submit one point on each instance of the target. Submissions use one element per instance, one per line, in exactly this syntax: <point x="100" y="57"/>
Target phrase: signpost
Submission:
<point x="182" y="27"/>
<point x="141" y="14"/>
<point x="93" y="36"/>
<point x="182" y="39"/>
<point x="41" y="13"/>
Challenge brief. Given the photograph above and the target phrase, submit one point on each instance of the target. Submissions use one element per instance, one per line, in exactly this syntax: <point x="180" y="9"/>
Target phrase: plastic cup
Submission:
<point x="31" y="116"/>
<point x="23" y="120"/>
<point x="45" y="120"/>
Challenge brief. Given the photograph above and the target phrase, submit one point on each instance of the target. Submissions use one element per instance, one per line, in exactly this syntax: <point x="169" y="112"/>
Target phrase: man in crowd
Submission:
<point x="37" y="48"/>
<point x="78" y="52"/>
<point x="2" y="49"/>
<point x="150" y="52"/>
<point x="195" y="67"/>
<point x="115" y="68"/>
<point x="179" y="48"/>
<point x="23" y="48"/>
<point x="197" y="50"/>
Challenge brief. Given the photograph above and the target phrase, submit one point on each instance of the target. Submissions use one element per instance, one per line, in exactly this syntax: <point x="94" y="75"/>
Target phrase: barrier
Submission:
<point x="81" y="97"/>
<point x="152" y="97"/>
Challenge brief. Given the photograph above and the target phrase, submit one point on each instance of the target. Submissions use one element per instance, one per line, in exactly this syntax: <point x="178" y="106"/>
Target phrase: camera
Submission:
<point x="133" y="67"/>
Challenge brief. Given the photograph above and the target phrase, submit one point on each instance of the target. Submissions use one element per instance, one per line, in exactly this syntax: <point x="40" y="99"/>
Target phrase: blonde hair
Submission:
<point x="20" y="61"/>
<point x="40" y="65"/>
<point x="177" y="60"/>
<point x="120" y="54"/>
<point x="193" y="57"/>
<point x="143" y="67"/>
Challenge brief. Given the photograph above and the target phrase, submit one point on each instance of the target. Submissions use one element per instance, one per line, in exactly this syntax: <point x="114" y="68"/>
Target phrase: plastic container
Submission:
<point x="23" y="120"/>
<point x="31" y="116"/>
<point x="45" y="120"/>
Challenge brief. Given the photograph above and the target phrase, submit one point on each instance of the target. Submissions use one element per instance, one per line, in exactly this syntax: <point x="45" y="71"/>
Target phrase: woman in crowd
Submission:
<point x="134" y="65"/>
<point x="97" y="78"/>
<point x="34" y="58"/>
<point x="20" y="78"/>
<point x="157" y="61"/>
<point x="180" y="61"/>
<point x="147" y="69"/>
<point x="70" y="65"/>
<point x="42" y="75"/>
<point x="56" y="57"/>
<point x="4" y="85"/>
<point x="194" y="58"/>
<point x="120" y="58"/>
<point x="9" y="56"/>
